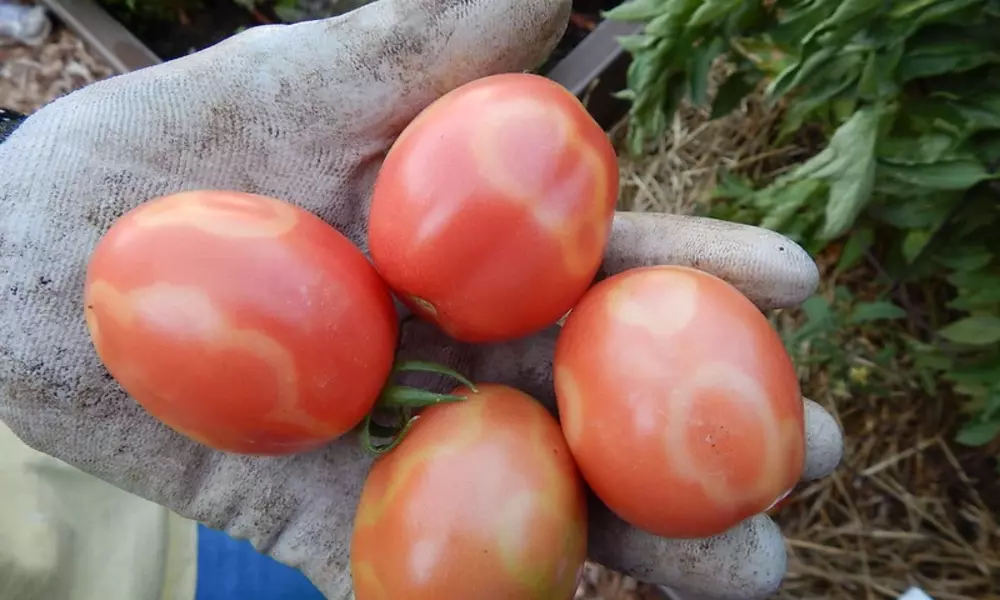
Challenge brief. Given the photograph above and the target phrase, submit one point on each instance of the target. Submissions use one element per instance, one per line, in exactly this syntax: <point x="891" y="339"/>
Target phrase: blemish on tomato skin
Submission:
<point x="188" y="311"/>
<point x="664" y="307"/>
<point x="232" y="215"/>
<point x="570" y="405"/>
<point x="424" y="306"/>
<point x="499" y="148"/>
<point x="744" y="392"/>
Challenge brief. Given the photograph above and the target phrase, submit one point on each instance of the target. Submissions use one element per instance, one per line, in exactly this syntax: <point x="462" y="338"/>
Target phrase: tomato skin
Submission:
<point x="480" y="500"/>
<point x="492" y="211"/>
<point x="679" y="401"/>
<point x="243" y="322"/>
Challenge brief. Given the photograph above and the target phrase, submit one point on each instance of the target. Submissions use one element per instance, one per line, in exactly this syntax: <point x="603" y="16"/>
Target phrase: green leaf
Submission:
<point x="289" y="12"/>
<point x="850" y="16"/>
<point x="964" y="257"/>
<point x="921" y="150"/>
<point x="914" y="211"/>
<point x="943" y="10"/>
<point x="913" y="243"/>
<point x="992" y="408"/>
<point x="974" y="280"/>
<point x="765" y="56"/>
<point x="638" y="10"/>
<point x="860" y="240"/>
<point x="978" y="433"/>
<point x="808" y="105"/>
<point x="798" y="73"/>
<point x="978" y="330"/>
<point x="952" y="59"/>
<point x="851" y="172"/>
<point x="655" y="78"/>
<point x="732" y="186"/>
<point x="787" y="201"/>
<point x="937" y="9"/>
<point x="942" y="50"/>
<point x="979" y="372"/>
<point x="980" y="111"/>
<point x="731" y="93"/>
<point x="798" y="20"/>
<point x="699" y="66"/>
<point x="866" y="312"/>
<point x="976" y="290"/>
<point x="670" y="23"/>
<point x="817" y="309"/>
<point x="987" y="149"/>
<point x="711" y="10"/>
<point x="976" y="300"/>
<point x="636" y="42"/>
<point x="871" y="78"/>
<point x="959" y="174"/>
<point x="906" y="9"/>
<point x="847" y="10"/>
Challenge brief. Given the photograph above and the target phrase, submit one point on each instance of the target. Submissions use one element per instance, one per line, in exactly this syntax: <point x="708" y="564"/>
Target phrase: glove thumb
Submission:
<point x="394" y="57"/>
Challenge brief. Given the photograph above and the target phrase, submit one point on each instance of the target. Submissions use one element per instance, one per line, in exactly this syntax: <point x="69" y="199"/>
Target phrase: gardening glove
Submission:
<point x="304" y="113"/>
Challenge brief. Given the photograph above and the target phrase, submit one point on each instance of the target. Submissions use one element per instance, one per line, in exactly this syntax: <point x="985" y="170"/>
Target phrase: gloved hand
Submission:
<point x="304" y="113"/>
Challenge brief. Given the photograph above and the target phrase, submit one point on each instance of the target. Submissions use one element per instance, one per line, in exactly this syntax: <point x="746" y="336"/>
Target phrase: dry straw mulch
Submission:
<point x="907" y="506"/>
<point x="32" y="77"/>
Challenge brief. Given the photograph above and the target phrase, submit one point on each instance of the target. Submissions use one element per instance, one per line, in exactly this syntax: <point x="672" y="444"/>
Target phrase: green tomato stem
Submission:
<point x="378" y="430"/>
<point x="419" y="366"/>
<point x="403" y="400"/>
<point x="400" y="396"/>
<point x="380" y="449"/>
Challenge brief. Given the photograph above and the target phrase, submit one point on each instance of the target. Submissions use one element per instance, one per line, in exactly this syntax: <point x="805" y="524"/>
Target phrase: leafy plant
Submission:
<point x="845" y="337"/>
<point x="908" y="95"/>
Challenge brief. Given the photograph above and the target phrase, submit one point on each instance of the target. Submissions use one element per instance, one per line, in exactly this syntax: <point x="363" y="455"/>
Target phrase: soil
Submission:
<point x="184" y="26"/>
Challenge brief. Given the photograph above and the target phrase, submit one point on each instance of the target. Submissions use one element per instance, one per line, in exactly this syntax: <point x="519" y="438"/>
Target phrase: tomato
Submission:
<point x="243" y="322"/>
<point x="481" y="499"/>
<point x="492" y="211"/>
<point x="678" y="401"/>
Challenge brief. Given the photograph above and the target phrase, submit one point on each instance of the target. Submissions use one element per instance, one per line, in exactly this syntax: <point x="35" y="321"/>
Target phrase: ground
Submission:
<point x="907" y="507"/>
<point x="30" y="77"/>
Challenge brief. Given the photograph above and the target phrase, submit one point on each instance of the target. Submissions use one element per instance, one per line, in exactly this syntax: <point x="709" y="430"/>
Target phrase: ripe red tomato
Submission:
<point x="243" y="322"/>
<point x="679" y="401"/>
<point x="492" y="211"/>
<point x="481" y="499"/>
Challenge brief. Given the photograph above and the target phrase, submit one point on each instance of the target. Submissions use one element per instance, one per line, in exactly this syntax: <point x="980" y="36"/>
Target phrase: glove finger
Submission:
<point x="744" y="563"/>
<point x="770" y="269"/>
<point x="824" y="442"/>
